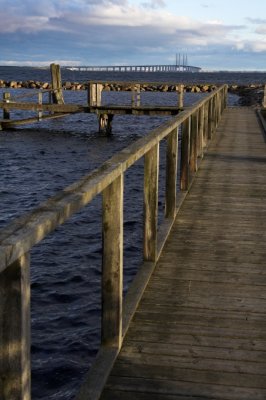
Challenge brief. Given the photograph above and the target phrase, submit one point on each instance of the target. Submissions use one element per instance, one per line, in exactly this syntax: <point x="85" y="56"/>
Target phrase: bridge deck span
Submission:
<point x="199" y="331"/>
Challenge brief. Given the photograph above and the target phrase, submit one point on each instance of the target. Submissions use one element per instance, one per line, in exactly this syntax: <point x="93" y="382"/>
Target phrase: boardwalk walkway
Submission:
<point x="200" y="329"/>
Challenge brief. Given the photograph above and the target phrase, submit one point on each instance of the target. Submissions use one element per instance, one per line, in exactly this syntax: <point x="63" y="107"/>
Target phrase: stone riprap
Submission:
<point x="31" y="84"/>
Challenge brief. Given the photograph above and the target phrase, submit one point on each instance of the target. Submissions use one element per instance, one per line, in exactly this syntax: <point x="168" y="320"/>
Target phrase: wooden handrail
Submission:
<point x="95" y="90"/>
<point x="198" y="124"/>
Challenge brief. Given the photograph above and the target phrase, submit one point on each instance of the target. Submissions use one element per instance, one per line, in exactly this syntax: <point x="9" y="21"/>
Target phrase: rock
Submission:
<point x="67" y="85"/>
<point x="205" y="88"/>
<point x="165" y="88"/>
<point x="13" y="84"/>
<point x="45" y="85"/>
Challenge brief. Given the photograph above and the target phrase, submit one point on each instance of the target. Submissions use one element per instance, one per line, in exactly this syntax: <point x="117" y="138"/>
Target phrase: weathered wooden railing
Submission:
<point x="95" y="90"/>
<point x="198" y="124"/>
<point x="39" y="94"/>
<point x="105" y="118"/>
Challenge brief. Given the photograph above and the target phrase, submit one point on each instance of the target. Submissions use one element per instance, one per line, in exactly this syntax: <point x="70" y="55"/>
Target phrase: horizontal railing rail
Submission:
<point x="16" y="241"/>
<point x="95" y="90"/>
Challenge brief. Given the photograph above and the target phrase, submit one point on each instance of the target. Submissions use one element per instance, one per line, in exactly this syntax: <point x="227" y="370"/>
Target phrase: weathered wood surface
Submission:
<point x="15" y="331"/>
<point x="57" y="94"/>
<point x="108" y="108"/>
<point x="199" y="331"/>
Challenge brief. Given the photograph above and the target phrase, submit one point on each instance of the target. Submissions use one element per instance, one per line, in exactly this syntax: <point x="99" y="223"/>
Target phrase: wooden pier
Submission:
<point x="199" y="331"/>
<point x="57" y="108"/>
<point x="193" y="320"/>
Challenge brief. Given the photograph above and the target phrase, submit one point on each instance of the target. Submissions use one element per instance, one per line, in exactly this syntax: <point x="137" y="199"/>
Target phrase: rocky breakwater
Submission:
<point x="31" y="84"/>
<point x="251" y="95"/>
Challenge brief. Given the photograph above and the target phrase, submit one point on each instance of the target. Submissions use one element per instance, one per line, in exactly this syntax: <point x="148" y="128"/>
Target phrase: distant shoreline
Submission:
<point x="202" y="71"/>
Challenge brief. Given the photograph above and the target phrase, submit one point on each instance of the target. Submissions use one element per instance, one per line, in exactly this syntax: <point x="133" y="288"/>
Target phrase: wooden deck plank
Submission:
<point x="199" y="331"/>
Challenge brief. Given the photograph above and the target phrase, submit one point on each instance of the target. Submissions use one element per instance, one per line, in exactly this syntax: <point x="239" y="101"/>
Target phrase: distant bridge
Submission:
<point x="136" y="68"/>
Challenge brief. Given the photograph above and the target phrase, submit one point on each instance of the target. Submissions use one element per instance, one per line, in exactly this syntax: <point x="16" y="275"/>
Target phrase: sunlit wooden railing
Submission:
<point x="198" y="125"/>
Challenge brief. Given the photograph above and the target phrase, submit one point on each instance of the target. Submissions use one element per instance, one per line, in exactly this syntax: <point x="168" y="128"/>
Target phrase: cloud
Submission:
<point x="257" y="21"/>
<point x="30" y="63"/>
<point x="107" y="31"/>
<point x="153" y="4"/>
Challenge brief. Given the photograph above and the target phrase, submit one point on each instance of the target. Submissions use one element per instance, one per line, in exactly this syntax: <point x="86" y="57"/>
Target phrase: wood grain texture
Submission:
<point x="151" y="176"/>
<point x="15" y="376"/>
<point x="199" y="330"/>
<point x="112" y="265"/>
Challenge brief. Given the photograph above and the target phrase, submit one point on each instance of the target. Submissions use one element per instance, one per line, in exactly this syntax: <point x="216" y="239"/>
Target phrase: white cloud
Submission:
<point x="261" y="30"/>
<point x="46" y="63"/>
<point x="119" y="28"/>
<point x="153" y="4"/>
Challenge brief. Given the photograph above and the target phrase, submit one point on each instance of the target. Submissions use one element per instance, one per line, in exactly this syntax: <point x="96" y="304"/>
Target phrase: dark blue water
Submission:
<point x="39" y="160"/>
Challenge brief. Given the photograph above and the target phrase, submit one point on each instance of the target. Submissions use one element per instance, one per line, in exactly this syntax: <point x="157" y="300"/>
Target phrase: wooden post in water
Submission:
<point x="57" y="95"/>
<point x="15" y="371"/>
<point x="171" y="174"/>
<point x="105" y="123"/>
<point x="6" y="99"/>
<point x="112" y="274"/>
<point x="185" y="152"/>
<point x="151" y="174"/>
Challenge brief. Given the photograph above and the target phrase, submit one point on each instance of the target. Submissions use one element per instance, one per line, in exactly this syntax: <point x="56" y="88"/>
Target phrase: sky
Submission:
<point x="215" y="35"/>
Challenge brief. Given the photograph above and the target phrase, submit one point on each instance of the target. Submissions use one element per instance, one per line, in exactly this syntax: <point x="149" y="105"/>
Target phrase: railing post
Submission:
<point x="112" y="274"/>
<point x="6" y="99"/>
<point x="151" y="174"/>
<point x="206" y="119"/>
<point x="15" y="371"/>
<point x="181" y="96"/>
<point x="135" y="96"/>
<point x="194" y="142"/>
<point x="94" y="94"/>
<point x="40" y="102"/>
<point x="171" y="174"/>
<point x="210" y="118"/>
<point x="225" y="91"/>
<point x="217" y="108"/>
<point x="185" y="152"/>
<point x="264" y="98"/>
<point x="201" y="131"/>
